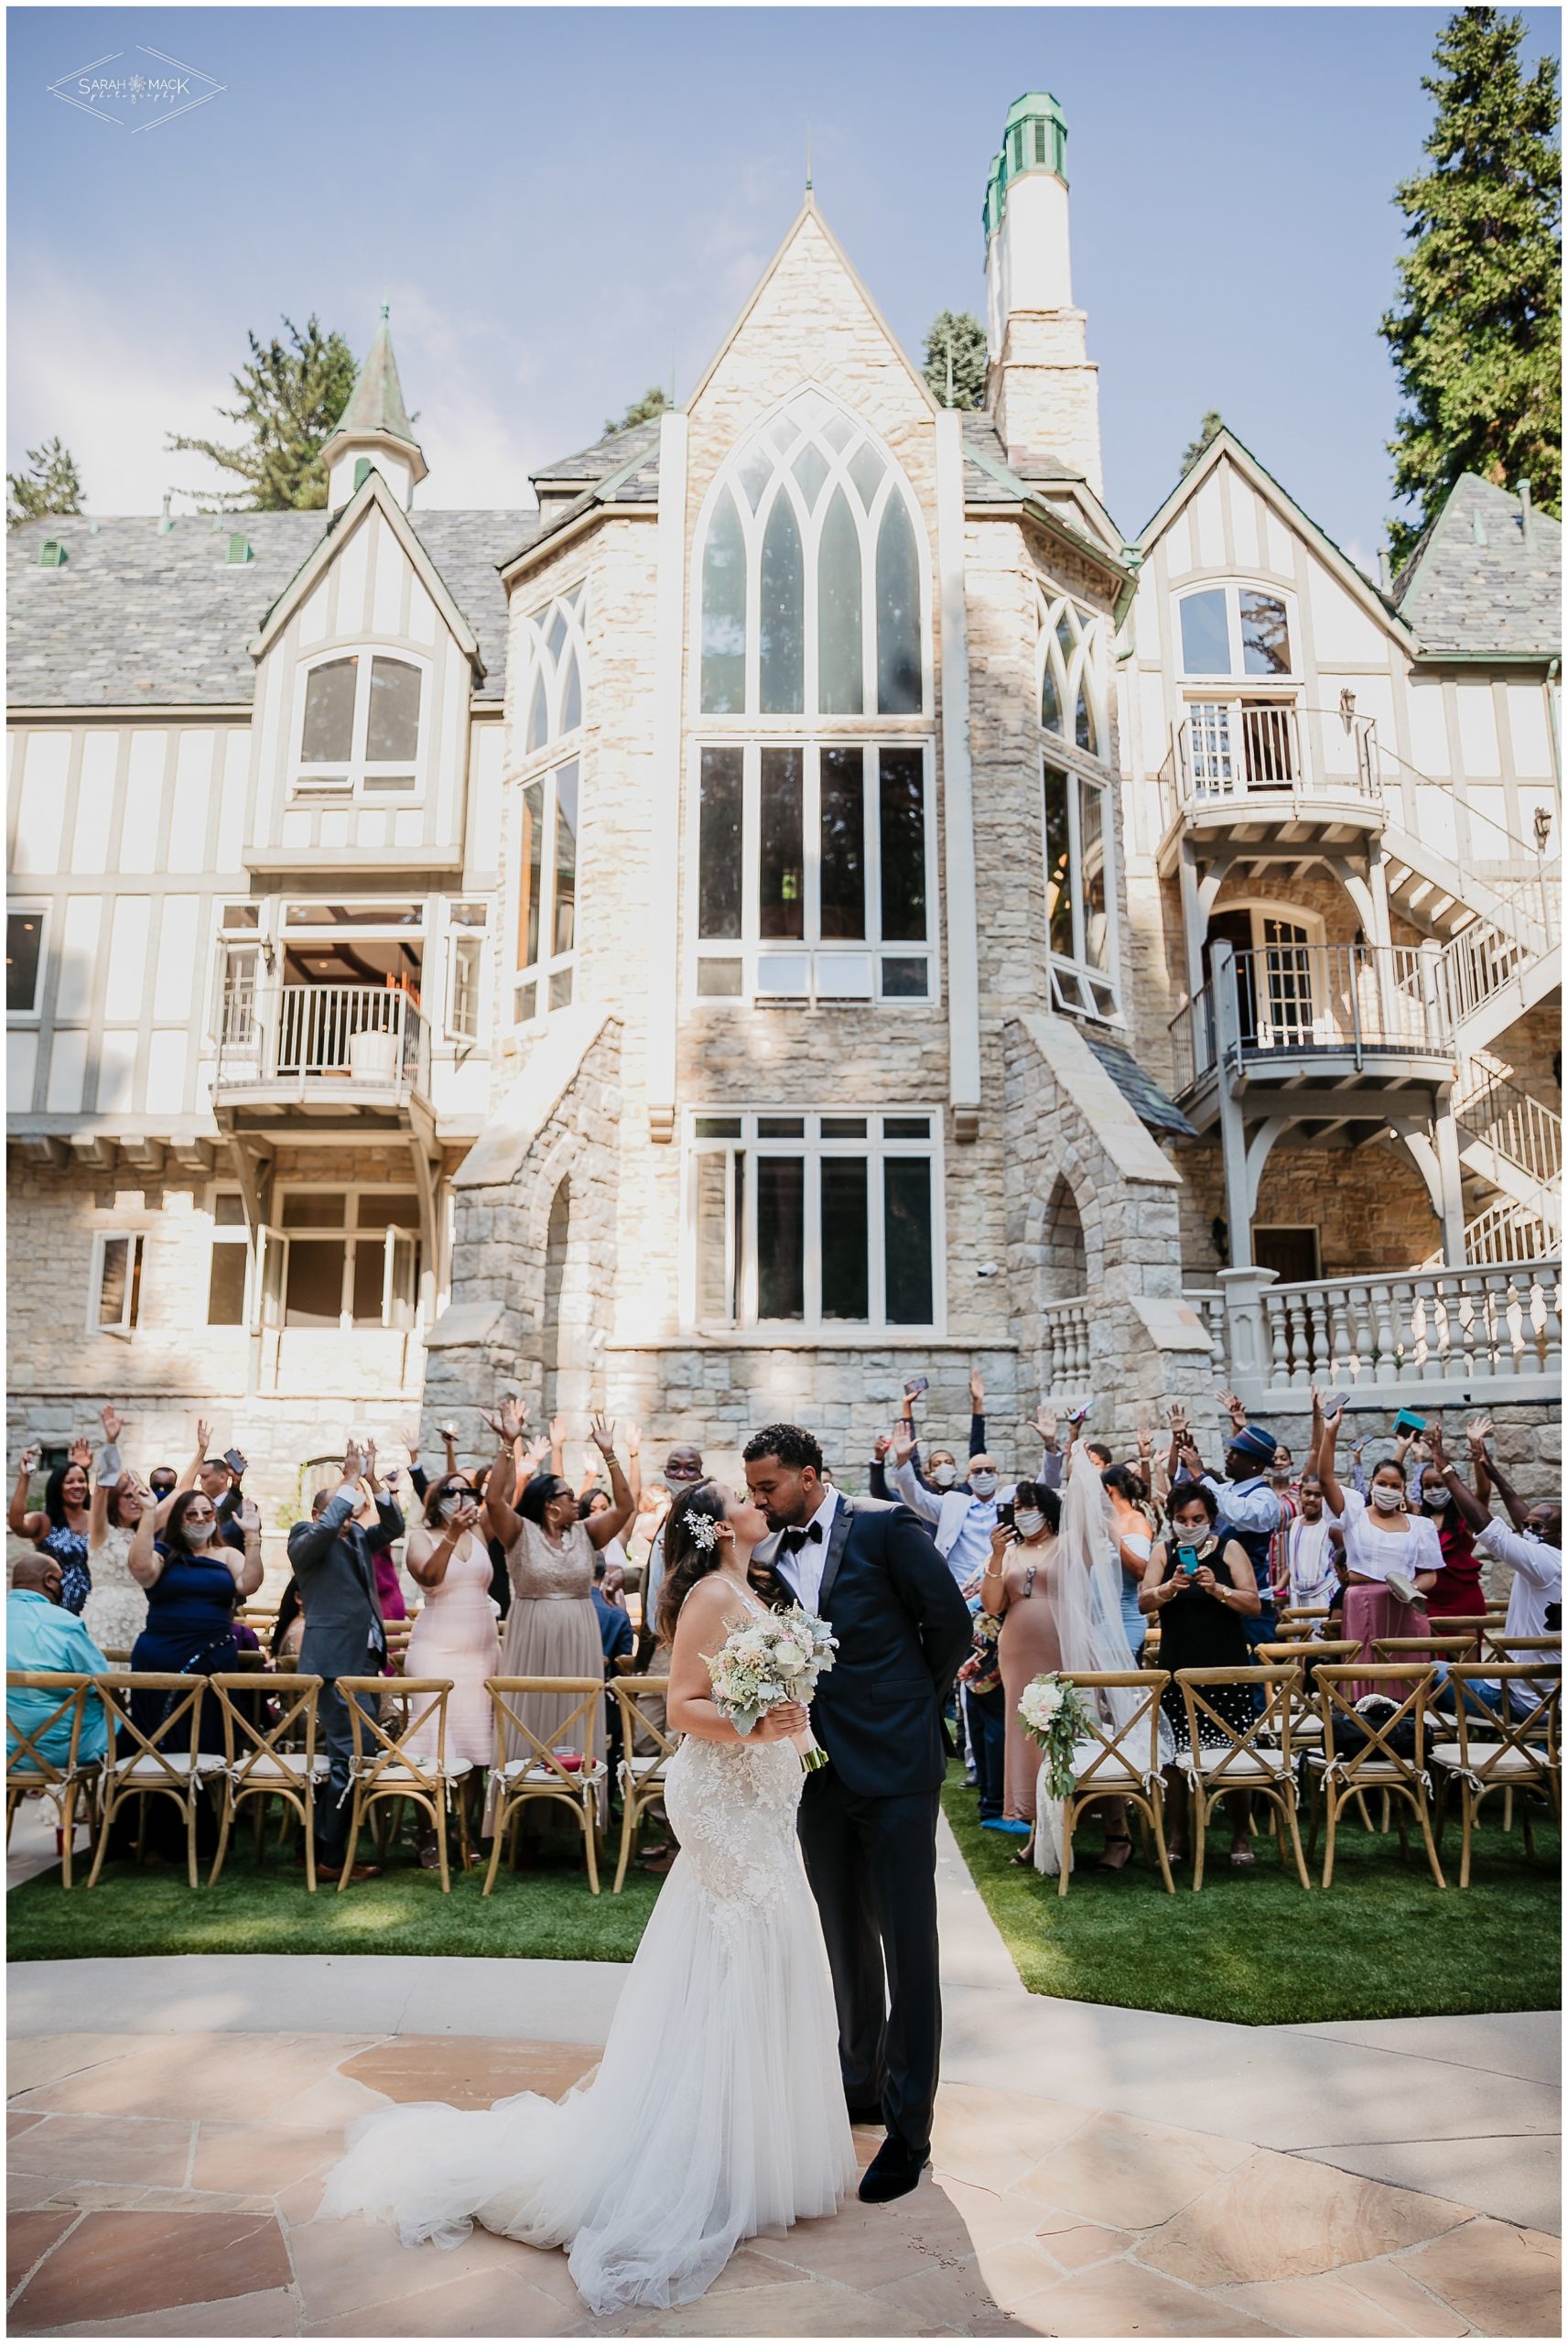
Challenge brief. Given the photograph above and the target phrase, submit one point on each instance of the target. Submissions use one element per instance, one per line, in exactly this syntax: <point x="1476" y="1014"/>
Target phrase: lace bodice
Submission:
<point x="732" y="1806"/>
<point x="540" y="1570"/>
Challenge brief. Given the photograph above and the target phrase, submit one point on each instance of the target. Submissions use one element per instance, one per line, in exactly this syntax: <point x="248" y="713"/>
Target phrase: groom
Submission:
<point x="868" y="1820"/>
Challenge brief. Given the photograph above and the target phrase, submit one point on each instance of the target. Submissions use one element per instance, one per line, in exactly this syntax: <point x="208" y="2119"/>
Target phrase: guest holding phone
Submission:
<point x="1203" y="1590"/>
<point x="1020" y="1588"/>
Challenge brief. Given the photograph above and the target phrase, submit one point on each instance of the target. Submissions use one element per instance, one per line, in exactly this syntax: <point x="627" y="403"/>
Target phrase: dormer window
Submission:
<point x="361" y="728"/>
<point x="1234" y="631"/>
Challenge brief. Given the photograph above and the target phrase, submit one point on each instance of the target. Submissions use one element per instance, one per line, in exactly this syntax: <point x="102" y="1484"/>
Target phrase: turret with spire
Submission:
<point x="1041" y="387"/>
<point x="375" y="431"/>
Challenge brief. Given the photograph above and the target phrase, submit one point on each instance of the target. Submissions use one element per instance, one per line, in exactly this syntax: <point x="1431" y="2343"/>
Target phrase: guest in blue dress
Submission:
<point x="63" y="1528"/>
<point x="191" y="1590"/>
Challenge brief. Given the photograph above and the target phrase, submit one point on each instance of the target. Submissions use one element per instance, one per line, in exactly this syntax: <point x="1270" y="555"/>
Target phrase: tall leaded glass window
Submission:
<point x="812" y="577"/>
<point x="1075" y="810"/>
<point x="552" y="696"/>
<point x="1069" y="649"/>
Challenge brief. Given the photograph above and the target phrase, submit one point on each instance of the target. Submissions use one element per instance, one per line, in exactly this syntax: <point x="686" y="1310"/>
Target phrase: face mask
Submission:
<point x="1387" y="1501"/>
<point x="944" y="1476"/>
<point x="452" y="1506"/>
<point x="1028" y="1524"/>
<point x="1437" y="1497"/>
<point x="982" y="1484"/>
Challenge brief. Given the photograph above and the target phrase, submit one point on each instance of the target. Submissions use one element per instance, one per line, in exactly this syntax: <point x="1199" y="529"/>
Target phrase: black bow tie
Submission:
<point x="794" y="1540"/>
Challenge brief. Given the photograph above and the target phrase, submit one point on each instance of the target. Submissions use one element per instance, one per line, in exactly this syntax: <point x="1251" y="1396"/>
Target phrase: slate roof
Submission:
<point x="1498" y="595"/>
<point x="607" y="455"/>
<point x="1142" y="1092"/>
<point x="136" y="617"/>
<point x="990" y="479"/>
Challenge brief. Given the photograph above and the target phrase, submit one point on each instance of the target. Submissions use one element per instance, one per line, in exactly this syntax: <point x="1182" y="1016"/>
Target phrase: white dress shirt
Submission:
<point x="803" y="1569"/>
<point x="1538" y="1576"/>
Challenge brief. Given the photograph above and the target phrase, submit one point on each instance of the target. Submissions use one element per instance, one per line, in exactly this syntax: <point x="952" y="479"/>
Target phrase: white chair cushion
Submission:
<point x="518" y="1770"/>
<point x="271" y="1770"/>
<point x="1493" y="1758"/>
<point x="171" y="1762"/>
<point x="1113" y="1772"/>
<point x="1243" y="1764"/>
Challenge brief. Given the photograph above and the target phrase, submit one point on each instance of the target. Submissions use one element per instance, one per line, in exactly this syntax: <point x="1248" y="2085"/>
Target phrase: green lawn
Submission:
<point x="547" y="1914"/>
<point x="1251" y="1947"/>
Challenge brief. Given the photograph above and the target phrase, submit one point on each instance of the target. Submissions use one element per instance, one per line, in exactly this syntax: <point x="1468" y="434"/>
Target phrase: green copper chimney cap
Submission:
<point x="1034" y="140"/>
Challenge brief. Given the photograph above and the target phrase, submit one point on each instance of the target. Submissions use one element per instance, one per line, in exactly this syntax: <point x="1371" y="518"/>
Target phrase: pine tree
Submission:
<point x="1475" y="338"/>
<point x="653" y="402"/>
<point x="956" y="358"/>
<point x="290" y="397"/>
<point x="1213" y="422"/>
<point x="51" y="485"/>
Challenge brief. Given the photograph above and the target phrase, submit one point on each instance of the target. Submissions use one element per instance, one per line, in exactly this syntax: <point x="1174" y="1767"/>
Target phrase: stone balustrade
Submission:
<point x="1064" y="1348"/>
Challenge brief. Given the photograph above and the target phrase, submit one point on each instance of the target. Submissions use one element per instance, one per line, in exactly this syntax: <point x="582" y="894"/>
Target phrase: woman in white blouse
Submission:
<point x="1394" y="1557"/>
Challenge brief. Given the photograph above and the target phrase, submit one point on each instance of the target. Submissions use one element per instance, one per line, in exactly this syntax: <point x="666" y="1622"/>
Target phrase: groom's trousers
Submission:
<point x="872" y="1867"/>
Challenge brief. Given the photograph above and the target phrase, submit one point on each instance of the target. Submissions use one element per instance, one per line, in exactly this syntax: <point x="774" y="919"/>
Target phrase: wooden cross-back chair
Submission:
<point x="641" y="1772"/>
<point x="1257" y="1757"/>
<point x="538" y="1772"/>
<point x="279" y="1760"/>
<point x="383" y="1768"/>
<point x="166" y="1762"/>
<point x="1374" y="1764"/>
<point x="1505" y="1645"/>
<point x="28" y="1768"/>
<point x="1119" y="1761"/>
<point x="1496" y="1750"/>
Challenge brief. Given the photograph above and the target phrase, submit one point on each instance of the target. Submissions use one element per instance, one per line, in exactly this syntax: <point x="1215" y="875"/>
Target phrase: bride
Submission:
<point x="717" y="2110"/>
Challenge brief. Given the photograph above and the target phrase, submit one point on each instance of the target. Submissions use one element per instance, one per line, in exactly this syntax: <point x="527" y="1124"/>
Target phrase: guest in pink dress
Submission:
<point x="456" y="1635"/>
<point x="1394" y="1557"/>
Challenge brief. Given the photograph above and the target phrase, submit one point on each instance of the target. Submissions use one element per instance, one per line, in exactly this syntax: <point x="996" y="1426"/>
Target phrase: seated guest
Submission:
<point x="614" y="1622"/>
<point x="42" y="1637"/>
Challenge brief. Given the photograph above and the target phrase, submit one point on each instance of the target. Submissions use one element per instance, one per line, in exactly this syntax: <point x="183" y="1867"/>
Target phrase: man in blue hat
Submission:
<point x="1249" y="1510"/>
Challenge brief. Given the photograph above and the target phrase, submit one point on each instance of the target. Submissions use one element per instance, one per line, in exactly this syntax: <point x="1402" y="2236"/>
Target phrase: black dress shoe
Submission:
<point x="870" y="2115"/>
<point x="893" y="2172"/>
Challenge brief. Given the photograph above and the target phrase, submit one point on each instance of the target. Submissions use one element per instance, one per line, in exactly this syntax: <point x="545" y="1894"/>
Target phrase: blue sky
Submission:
<point x="560" y="203"/>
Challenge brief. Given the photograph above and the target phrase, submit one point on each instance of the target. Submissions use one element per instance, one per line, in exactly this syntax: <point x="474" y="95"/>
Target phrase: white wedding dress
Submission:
<point x="717" y="2111"/>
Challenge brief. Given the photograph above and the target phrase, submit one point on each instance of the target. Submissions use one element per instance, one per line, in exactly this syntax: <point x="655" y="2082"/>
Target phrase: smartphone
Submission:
<point x="1336" y="1404"/>
<point x="1004" y="1513"/>
<point x="1408" y="1421"/>
<point x="234" y="1459"/>
<point x="915" y="1386"/>
<point x="1076" y="1415"/>
<point x="1187" y="1561"/>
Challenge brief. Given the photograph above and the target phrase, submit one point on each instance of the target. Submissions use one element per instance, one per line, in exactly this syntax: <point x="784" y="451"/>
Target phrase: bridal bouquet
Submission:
<point x="765" y="1664"/>
<point x="1052" y="1713"/>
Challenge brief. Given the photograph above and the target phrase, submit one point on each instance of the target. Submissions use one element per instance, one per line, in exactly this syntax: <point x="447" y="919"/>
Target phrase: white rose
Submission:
<point x="788" y="1657"/>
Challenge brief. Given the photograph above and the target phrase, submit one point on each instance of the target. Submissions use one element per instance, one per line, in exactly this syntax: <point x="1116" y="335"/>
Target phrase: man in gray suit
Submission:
<point x="344" y="1635"/>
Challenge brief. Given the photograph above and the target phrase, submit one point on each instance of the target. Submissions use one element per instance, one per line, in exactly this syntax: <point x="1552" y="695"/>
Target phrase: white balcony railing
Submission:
<point x="1358" y="1000"/>
<point x="1248" y="748"/>
<point x="320" y="1041"/>
<point x="1430" y="1327"/>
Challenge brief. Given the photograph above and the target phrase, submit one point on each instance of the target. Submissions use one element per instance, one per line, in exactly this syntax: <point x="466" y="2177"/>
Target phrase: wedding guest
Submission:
<point x="116" y="1610"/>
<point x="1132" y="1528"/>
<point x="190" y="1590"/>
<point x="344" y="1633"/>
<point x="64" y="1526"/>
<point x="1313" y="1544"/>
<point x="455" y="1635"/>
<point x="962" y="1519"/>
<point x="683" y="1471"/>
<point x="287" y="1628"/>
<point x="614" y="1622"/>
<point x="1203" y="1589"/>
<point x="1020" y="1588"/>
<point x="42" y="1638"/>
<point x="1394" y="1557"/>
<point x="1249" y="1512"/>
<point x="1457" y="1598"/>
<point x="552" y="1629"/>
<point x="1529" y="1543"/>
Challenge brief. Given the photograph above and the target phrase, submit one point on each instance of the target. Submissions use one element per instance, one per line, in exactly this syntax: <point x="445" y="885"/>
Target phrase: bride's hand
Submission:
<point x="779" y="1725"/>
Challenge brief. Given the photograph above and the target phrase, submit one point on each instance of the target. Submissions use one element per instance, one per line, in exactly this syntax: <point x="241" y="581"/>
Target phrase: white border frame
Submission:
<point x="542" y="971"/>
<point x="1231" y="585"/>
<point x="320" y="782"/>
<point x="126" y="1328"/>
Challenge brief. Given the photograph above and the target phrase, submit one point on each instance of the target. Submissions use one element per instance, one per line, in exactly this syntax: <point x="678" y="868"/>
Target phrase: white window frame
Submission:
<point x="125" y="1326"/>
<point x="747" y="1328"/>
<point x="823" y="966"/>
<point x="231" y="1233"/>
<point x="1232" y="589"/>
<point x="1074" y="977"/>
<point x="40" y="912"/>
<point x="545" y="670"/>
<point x="539" y="977"/>
<point x="469" y="932"/>
<point x="359" y="774"/>
<point x="753" y="528"/>
<point x="275" y="1240"/>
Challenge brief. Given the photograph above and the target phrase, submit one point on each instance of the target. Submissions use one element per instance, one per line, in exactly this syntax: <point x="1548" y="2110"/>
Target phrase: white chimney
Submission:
<point x="1042" y="389"/>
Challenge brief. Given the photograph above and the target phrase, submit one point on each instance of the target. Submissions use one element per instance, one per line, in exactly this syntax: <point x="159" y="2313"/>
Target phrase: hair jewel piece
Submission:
<point x="704" y="1531"/>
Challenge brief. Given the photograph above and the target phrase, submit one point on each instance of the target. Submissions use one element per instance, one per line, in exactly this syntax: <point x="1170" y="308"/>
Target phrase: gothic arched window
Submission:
<point x="1069" y="658"/>
<point x="812" y="576"/>
<point x="1080" y="896"/>
<point x="552" y="694"/>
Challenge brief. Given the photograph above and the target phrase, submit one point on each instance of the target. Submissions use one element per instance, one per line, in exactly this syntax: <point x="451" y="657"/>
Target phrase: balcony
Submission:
<point x="1241" y="768"/>
<point x="1313" y="1017"/>
<point x="358" y="1051"/>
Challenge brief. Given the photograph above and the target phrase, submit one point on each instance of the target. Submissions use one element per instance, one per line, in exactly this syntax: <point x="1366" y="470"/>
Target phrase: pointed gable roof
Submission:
<point x="372" y="490"/>
<point x="1482" y="583"/>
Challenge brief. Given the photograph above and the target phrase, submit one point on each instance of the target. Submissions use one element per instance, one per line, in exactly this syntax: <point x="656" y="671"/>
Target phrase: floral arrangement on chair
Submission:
<point x="1052" y="1714"/>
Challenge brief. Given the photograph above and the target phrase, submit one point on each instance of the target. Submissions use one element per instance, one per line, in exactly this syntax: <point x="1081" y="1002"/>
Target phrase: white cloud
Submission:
<point x="112" y="390"/>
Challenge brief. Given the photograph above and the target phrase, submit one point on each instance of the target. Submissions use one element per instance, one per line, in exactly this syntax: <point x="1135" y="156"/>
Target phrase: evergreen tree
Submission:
<point x="290" y="397"/>
<point x="955" y="363"/>
<point x="1475" y="336"/>
<point x="653" y="402"/>
<point x="1212" y="423"/>
<point x="51" y="485"/>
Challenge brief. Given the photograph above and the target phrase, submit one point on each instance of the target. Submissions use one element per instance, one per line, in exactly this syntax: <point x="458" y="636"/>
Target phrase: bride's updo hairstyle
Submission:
<point x="690" y="1552"/>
